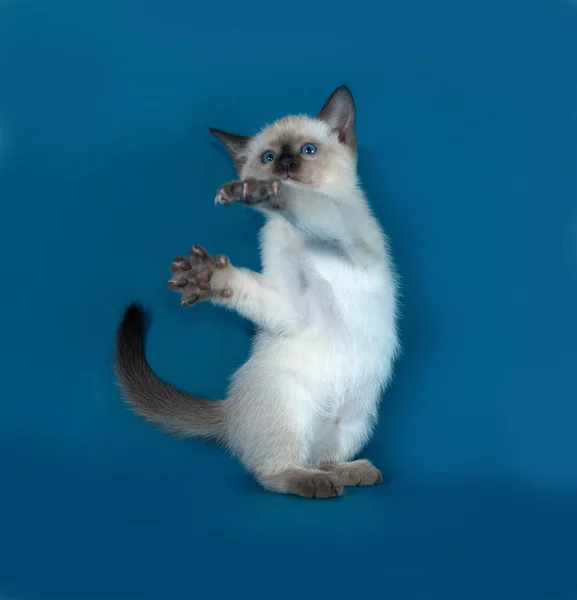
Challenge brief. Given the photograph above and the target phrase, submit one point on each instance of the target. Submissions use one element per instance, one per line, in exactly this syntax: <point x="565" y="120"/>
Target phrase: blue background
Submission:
<point x="467" y="125"/>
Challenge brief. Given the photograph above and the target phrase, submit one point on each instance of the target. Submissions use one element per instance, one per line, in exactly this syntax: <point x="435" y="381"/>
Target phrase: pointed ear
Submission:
<point x="235" y="144"/>
<point x="339" y="113"/>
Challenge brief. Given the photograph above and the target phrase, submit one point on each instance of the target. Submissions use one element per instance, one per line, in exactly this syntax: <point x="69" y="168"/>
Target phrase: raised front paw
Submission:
<point x="199" y="276"/>
<point x="249" y="191"/>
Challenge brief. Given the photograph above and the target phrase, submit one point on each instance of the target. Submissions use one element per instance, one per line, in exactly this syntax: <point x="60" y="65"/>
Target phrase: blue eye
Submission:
<point x="268" y="157"/>
<point x="308" y="149"/>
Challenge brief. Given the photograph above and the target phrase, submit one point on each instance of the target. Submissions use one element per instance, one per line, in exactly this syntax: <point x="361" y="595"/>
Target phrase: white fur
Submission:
<point x="325" y="305"/>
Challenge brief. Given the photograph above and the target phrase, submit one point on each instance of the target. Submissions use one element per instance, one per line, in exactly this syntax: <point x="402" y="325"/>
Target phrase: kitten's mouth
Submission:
<point x="291" y="177"/>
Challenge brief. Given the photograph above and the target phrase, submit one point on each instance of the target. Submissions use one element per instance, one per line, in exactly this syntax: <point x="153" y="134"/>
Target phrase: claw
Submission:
<point x="183" y="262"/>
<point x="178" y="283"/>
<point x="181" y="282"/>
<point x="180" y="263"/>
<point x="198" y="251"/>
<point x="221" y="261"/>
<point x="189" y="301"/>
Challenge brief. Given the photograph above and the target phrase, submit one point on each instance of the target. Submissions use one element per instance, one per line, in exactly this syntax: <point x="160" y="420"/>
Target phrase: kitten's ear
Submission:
<point x="339" y="113"/>
<point x="235" y="144"/>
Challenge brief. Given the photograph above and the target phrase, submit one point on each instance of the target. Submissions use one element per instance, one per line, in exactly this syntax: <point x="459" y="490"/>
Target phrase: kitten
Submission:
<point x="305" y="403"/>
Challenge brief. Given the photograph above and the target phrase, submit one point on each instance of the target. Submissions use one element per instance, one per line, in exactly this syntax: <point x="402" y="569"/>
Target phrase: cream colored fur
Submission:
<point x="306" y="401"/>
<point x="325" y="304"/>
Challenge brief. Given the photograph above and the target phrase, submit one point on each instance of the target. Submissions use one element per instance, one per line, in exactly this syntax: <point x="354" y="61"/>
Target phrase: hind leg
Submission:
<point x="355" y="473"/>
<point x="285" y="469"/>
<point x="270" y="429"/>
<point x="308" y="483"/>
<point x="343" y="441"/>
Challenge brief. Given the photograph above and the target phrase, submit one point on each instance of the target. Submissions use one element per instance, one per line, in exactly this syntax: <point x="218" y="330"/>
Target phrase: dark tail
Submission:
<point x="151" y="397"/>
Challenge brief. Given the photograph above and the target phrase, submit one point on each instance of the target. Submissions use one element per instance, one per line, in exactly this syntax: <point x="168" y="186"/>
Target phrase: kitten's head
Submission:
<point x="316" y="152"/>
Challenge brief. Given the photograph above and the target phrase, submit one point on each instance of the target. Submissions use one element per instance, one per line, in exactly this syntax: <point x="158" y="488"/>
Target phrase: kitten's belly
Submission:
<point x="328" y="357"/>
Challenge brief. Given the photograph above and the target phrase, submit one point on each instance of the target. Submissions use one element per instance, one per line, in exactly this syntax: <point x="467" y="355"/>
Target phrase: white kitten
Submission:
<point x="306" y="401"/>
